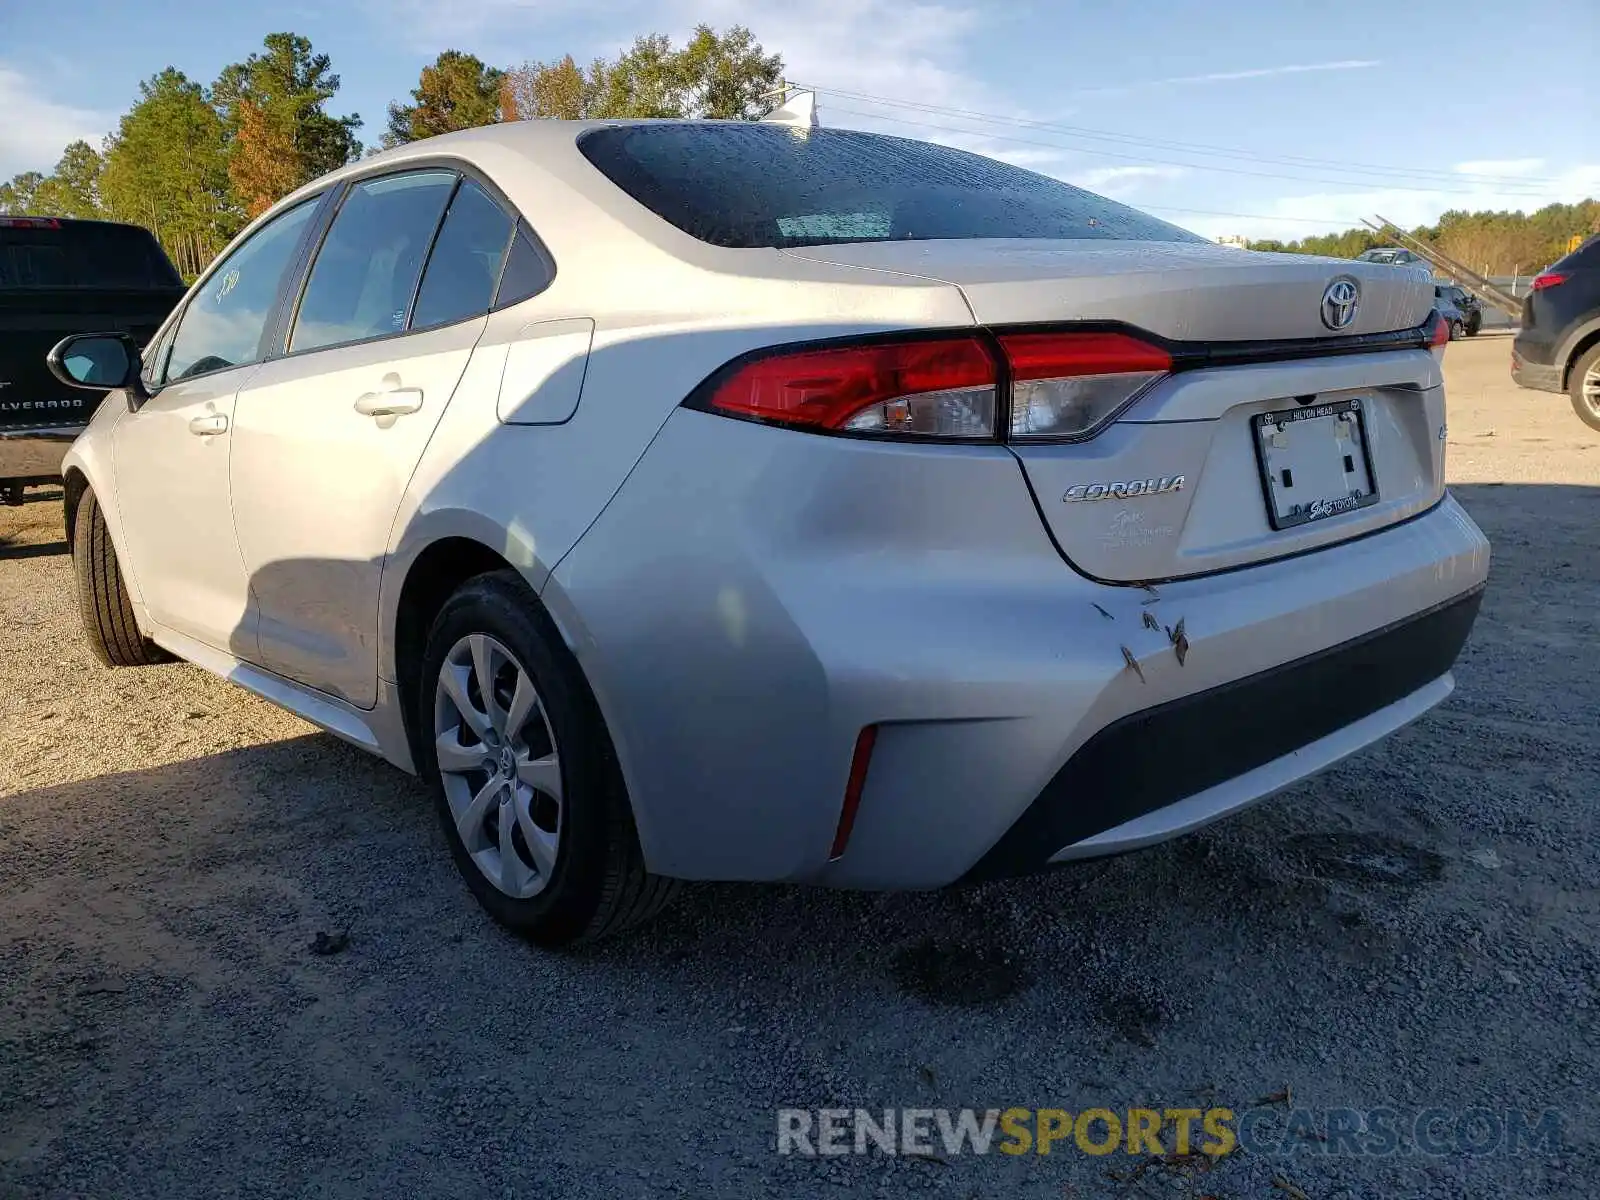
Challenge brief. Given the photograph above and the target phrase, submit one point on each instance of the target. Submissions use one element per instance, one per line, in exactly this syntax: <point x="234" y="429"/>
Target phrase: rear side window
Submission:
<point x="366" y="272"/>
<point x="747" y="185"/>
<point x="527" y="271"/>
<point x="464" y="265"/>
<point x="83" y="254"/>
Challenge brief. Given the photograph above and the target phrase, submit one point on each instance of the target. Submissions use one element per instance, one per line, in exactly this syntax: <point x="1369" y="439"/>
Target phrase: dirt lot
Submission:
<point x="1416" y="928"/>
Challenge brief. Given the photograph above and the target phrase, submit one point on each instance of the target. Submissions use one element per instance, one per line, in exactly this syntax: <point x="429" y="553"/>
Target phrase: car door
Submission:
<point x="326" y="437"/>
<point x="171" y="456"/>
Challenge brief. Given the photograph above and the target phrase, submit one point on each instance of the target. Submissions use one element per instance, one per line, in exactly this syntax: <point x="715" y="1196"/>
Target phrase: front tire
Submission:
<point x="527" y="787"/>
<point x="1456" y="330"/>
<point x="103" y="604"/>
<point x="1583" y="385"/>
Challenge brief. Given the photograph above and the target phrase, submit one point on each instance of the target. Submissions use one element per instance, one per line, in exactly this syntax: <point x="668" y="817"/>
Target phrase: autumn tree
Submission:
<point x="273" y="109"/>
<point x="1497" y="243"/>
<point x="166" y="168"/>
<point x="714" y="75"/>
<point x="457" y="91"/>
<point x="560" y="90"/>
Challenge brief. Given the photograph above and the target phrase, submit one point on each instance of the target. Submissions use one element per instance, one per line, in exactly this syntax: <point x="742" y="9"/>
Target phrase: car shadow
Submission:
<point x="20" y="550"/>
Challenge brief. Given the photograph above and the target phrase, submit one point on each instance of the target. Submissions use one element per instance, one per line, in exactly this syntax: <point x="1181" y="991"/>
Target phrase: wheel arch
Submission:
<point x="431" y="577"/>
<point x="74" y="483"/>
<point x="1585" y="340"/>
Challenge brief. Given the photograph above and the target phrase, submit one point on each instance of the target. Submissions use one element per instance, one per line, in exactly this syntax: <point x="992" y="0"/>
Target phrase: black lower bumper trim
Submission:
<point x="1154" y="758"/>
<point x="1537" y="376"/>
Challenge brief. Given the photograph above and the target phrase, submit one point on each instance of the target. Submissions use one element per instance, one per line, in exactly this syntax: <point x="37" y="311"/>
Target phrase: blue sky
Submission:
<point x="1209" y="114"/>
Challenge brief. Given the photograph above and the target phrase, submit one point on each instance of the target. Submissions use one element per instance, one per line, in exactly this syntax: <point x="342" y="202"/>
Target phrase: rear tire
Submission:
<point x="103" y="604"/>
<point x="550" y="777"/>
<point x="1474" y="323"/>
<point x="1583" y="385"/>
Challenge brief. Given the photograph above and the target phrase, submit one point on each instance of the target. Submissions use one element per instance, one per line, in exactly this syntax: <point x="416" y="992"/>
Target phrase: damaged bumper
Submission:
<point x="741" y="627"/>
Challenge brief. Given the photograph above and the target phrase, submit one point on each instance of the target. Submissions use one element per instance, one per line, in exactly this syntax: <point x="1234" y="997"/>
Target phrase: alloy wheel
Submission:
<point x="499" y="765"/>
<point x="1590" y="391"/>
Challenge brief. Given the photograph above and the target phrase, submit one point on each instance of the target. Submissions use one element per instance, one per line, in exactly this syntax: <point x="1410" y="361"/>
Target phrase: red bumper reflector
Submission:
<point x="865" y="740"/>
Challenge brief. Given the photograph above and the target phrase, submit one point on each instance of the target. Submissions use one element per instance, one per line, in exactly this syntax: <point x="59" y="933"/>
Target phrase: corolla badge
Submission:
<point x="1132" y="489"/>
<point x="1340" y="299"/>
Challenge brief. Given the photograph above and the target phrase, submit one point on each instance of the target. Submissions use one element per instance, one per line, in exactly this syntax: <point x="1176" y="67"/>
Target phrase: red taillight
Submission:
<point x="1064" y="385"/>
<point x="859" y="762"/>
<point x="1067" y="355"/>
<point x="1549" y="279"/>
<point x="1440" y="333"/>
<point x="823" y="389"/>
<point x="29" y="223"/>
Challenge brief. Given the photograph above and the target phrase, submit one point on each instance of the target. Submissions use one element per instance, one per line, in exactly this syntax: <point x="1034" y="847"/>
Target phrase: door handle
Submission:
<point x="209" y="425"/>
<point x="390" y="401"/>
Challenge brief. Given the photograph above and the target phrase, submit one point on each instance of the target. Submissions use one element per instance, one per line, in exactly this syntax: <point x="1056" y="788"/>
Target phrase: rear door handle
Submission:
<point x="390" y="402"/>
<point x="209" y="425"/>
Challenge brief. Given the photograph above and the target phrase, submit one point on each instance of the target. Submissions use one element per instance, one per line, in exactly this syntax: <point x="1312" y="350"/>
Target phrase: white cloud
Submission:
<point x="36" y="128"/>
<point x="1347" y="64"/>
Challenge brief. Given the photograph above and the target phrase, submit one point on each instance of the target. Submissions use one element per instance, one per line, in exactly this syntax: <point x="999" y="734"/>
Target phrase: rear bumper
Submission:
<point x="34" y="455"/>
<point x="1172" y="768"/>
<point x="740" y="626"/>
<point x="1537" y="376"/>
<point x="1534" y="363"/>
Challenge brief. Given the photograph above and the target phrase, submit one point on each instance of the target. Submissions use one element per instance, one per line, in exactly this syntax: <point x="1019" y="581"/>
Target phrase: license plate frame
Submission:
<point x="1272" y="460"/>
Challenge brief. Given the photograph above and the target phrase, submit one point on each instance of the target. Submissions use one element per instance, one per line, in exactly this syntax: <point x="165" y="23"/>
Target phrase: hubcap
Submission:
<point x="1591" y="389"/>
<point x="499" y="766"/>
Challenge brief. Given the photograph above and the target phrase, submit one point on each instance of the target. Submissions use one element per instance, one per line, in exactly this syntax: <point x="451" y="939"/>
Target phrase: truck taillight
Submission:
<point x="1062" y="385"/>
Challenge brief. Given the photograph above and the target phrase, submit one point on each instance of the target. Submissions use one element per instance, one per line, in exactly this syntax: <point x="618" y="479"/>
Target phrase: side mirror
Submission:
<point x="99" y="362"/>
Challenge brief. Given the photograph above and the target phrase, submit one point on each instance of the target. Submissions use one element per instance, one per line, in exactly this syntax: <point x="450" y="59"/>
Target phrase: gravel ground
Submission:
<point x="1415" y="928"/>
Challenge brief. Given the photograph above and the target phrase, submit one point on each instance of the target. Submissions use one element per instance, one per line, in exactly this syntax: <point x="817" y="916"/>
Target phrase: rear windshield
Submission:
<point x="750" y="186"/>
<point x="83" y="255"/>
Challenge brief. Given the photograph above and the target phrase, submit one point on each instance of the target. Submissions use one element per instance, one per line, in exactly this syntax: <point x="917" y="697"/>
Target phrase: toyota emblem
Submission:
<point x="1339" y="302"/>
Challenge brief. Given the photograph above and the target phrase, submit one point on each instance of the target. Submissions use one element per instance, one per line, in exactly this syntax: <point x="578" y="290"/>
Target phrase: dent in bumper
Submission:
<point x="1159" y="758"/>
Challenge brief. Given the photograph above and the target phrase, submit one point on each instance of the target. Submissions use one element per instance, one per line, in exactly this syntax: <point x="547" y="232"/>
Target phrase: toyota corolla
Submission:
<point x="735" y="501"/>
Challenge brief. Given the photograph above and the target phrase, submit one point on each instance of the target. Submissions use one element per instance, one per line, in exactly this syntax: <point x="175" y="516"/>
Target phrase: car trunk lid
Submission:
<point x="1271" y="436"/>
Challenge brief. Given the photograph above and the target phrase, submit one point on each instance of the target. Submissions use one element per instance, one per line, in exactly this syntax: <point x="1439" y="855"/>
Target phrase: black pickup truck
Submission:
<point x="59" y="277"/>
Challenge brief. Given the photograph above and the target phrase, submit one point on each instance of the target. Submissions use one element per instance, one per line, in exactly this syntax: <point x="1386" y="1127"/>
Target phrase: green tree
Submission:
<point x="166" y="169"/>
<point x="73" y="189"/>
<point x="727" y="77"/>
<point x="273" y="109"/>
<point x="17" y="197"/>
<point x="456" y="92"/>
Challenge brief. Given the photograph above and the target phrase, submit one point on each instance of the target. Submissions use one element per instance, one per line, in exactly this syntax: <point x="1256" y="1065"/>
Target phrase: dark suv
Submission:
<point x="1558" y="349"/>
